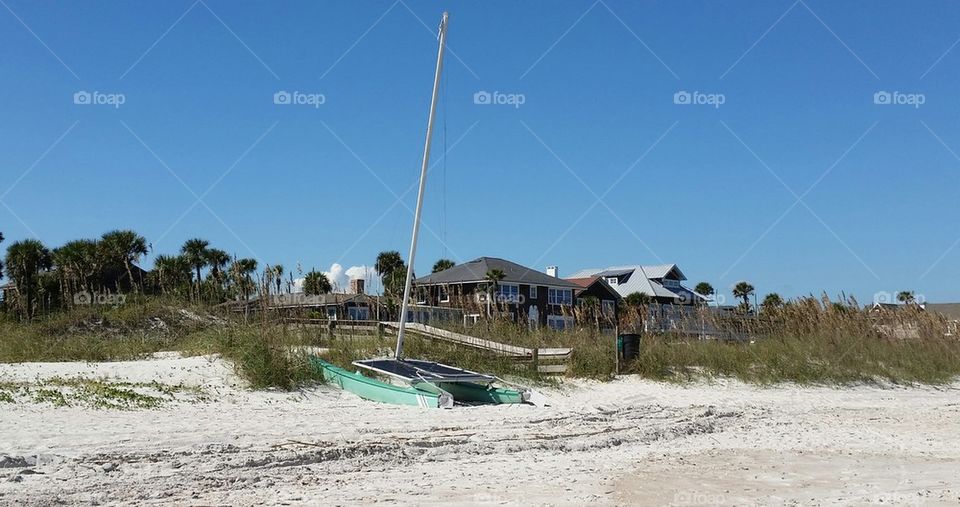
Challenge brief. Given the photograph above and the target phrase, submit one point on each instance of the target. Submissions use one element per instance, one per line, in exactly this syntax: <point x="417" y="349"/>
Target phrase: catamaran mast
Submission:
<point x="423" y="181"/>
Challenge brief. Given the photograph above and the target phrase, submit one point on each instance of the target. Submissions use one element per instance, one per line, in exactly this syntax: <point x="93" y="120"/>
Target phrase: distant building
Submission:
<point x="524" y="294"/>
<point x="663" y="282"/>
<point x="608" y="300"/>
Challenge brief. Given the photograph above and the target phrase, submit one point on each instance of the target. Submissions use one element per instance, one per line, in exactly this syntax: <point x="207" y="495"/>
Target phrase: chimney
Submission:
<point x="356" y="285"/>
<point x="553" y="271"/>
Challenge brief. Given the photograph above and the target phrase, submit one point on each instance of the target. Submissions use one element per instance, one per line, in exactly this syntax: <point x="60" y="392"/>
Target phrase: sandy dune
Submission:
<point x="625" y="442"/>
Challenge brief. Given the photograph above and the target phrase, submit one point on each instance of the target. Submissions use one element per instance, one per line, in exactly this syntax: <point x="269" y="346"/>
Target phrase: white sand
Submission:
<point x="625" y="442"/>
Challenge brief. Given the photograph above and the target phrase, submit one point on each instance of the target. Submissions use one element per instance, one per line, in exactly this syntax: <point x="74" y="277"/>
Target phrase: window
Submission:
<point x="444" y="295"/>
<point x="533" y="292"/>
<point x="358" y="313"/>
<point x="559" y="322"/>
<point x="608" y="307"/>
<point x="613" y="280"/>
<point x="332" y="312"/>
<point x="671" y="283"/>
<point x="508" y="293"/>
<point x="560" y="296"/>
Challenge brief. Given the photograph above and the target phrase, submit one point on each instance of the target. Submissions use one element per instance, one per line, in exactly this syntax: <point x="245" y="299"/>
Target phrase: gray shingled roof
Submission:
<point x="476" y="271"/>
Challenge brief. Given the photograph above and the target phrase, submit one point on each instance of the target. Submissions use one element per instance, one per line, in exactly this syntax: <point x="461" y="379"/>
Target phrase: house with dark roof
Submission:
<point x="662" y="282"/>
<point x="608" y="301"/>
<point x="522" y="294"/>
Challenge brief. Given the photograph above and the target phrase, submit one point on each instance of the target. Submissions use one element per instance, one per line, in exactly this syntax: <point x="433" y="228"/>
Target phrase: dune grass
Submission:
<point x="808" y="342"/>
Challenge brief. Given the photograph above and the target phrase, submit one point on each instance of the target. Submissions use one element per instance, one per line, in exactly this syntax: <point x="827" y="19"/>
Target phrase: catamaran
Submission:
<point x="418" y="382"/>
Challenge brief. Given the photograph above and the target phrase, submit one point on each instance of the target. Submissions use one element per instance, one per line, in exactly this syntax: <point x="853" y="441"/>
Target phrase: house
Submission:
<point x="608" y="299"/>
<point x="542" y="299"/>
<point x="8" y="292"/>
<point x="885" y="307"/>
<point x="663" y="283"/>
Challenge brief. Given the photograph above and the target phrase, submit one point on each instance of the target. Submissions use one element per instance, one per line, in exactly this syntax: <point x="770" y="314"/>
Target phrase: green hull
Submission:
<point x="375" y="390"/>
<point x="463" y="391"/>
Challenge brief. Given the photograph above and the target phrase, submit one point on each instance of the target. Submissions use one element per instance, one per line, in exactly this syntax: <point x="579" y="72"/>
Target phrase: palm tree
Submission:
<point x="443" y="265"/>
<point x="704" y="289"/>
<point x="638" y="299"/>
<point x="195" y="252"/>
<point x="25" y="260"/>
<point x="124" y="248"/>
<point x="494" y="277"/>
<point x="316" y="283"/>
<point x="772" y="301"/>
<point x="278" y="276"/>
<point x="392" y="272"/>
<point x="906" y="297"/>
<point x="1" y="262"/>
<point x="77" y="262"/>
<point x="172" y="271"/>
<point x="217" y="260"/>
<point x="743" y="290"/>
<point x="241" y="269"/>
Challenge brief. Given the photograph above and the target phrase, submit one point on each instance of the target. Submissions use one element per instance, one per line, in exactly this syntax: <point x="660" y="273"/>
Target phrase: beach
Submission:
<point x="211" y="441"/>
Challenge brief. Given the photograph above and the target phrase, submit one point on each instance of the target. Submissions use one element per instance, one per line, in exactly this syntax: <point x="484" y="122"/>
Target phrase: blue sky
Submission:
<point x="798" y="182"/>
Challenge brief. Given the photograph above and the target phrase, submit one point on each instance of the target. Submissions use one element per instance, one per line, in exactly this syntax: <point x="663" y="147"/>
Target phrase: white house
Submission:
<point x="662" y="282"/>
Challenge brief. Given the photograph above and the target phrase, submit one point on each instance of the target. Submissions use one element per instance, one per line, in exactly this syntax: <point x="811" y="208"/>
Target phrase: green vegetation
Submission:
<point x="177" y="307"/>
<point x="442" y="265"/>
<point x="316" y="283"/>
<point x="96" y="393"/>
<point x="811" y="341"/>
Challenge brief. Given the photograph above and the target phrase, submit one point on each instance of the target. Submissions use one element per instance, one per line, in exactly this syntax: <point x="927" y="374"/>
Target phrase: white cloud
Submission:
<point x="340" y="278"/>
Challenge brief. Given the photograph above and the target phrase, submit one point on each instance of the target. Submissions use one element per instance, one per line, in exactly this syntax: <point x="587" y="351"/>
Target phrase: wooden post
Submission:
<point x="616" y="348"/>
<point x="536" y="360"/>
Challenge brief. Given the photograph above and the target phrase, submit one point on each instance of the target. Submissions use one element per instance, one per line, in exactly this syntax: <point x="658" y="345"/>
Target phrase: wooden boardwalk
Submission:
<point x="548" y="360"/>
<point x="548" y="355"/>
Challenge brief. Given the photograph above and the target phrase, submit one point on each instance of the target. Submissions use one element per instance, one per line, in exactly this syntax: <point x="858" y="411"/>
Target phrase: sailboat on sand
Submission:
<point x="419" y="382"/>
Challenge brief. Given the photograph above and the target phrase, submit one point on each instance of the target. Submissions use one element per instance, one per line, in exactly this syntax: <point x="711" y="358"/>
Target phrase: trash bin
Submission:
<point x="629" y="345"/>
